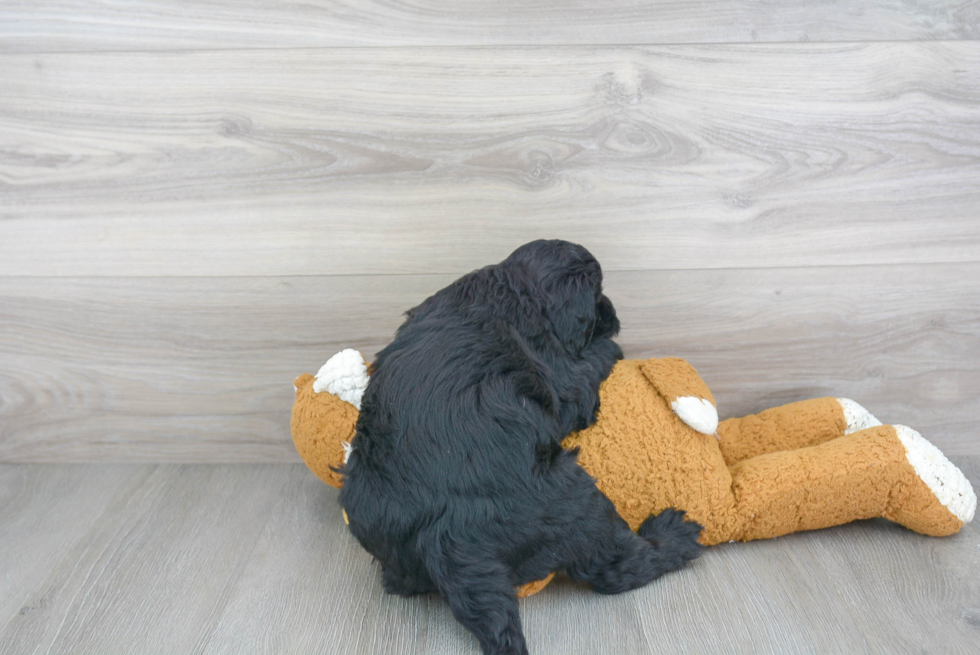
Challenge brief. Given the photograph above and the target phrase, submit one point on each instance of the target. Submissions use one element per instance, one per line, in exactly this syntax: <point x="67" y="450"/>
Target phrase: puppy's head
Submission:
<point x="569" y="280"/>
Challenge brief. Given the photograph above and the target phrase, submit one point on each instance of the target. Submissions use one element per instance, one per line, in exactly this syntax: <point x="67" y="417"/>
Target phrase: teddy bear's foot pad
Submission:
<point x="946" y="482"/>
<point x="856" y="416"/>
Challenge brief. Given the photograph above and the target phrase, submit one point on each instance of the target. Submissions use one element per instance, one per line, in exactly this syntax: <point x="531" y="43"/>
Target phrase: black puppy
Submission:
<point x="458" y="483"/>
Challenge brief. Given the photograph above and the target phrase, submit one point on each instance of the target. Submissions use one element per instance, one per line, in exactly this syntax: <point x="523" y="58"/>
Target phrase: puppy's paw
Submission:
<point x="404" y="586"/>
<point x="670" y="533"/>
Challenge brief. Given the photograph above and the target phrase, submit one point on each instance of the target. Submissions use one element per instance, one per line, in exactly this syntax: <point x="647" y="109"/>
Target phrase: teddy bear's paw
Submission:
<point x="344" y="375"/>
<point x="856" y="416"/>
<point x="696" y="412"/>
<point x="943" y="478"/>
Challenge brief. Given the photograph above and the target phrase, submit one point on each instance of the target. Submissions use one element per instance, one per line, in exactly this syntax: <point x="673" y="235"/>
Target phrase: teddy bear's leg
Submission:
<point x="796" y="425"/>
<point x="884" y="471"/>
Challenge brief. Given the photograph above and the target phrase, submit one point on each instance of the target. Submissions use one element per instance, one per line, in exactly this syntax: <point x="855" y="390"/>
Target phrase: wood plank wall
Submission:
<point x="200" y="201"/>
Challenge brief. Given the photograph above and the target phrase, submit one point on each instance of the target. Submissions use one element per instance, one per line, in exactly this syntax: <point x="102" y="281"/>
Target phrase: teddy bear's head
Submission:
<point x="325" y="413"/>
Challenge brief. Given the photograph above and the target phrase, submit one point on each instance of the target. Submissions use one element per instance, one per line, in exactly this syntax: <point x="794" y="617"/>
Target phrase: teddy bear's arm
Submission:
<point x="684" y="391"/>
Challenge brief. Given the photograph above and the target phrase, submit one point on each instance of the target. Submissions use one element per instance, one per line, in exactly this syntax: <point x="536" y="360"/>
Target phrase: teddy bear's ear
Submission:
<point x="684" y="391"/>
<point x="300" y="382"/>
<point x="345" y="375"/>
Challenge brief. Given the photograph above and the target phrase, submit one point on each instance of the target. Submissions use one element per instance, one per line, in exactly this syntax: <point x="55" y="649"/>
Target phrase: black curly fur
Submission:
<point x="458" y="483"/>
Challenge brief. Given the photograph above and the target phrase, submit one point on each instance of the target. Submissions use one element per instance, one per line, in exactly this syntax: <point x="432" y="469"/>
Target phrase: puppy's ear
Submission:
<point x="606" y="322"/>
<point x="521" y="363"/>
<point x="572" y="311"/>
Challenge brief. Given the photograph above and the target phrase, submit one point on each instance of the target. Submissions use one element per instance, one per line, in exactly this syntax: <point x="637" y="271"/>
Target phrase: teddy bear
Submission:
<point x="657" y="444"/>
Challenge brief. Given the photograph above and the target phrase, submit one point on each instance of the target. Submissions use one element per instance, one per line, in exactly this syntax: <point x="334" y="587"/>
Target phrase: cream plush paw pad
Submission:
<point x="943" y="478"/>
<point x="344" y="375"/>
<point x="856" y="416"/>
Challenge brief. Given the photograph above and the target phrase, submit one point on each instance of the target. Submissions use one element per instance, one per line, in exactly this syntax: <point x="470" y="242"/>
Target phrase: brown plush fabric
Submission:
<point x="797" y="425"/>
<point x="792" y="468"/>
<point x="858" y="476"/>
<point x="645" y="459"/>
<point x="321" y="423"/>
<point x="532" y="588"/>
<point x="674" y="378"/>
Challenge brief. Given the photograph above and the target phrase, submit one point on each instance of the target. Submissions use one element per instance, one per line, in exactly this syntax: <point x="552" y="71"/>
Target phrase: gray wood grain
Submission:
<point x="154" y="571"/>
<point x="171" y="24"/>
<point x="44" y="514"/>
<point x="201" y="369"/>
<point x="231" y="559"/>
<point x="429" y="160"/>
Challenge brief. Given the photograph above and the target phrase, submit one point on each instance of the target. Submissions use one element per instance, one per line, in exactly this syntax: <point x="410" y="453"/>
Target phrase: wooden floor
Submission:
<point x="255" y="558"/>
<point x="201" y="200"/>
